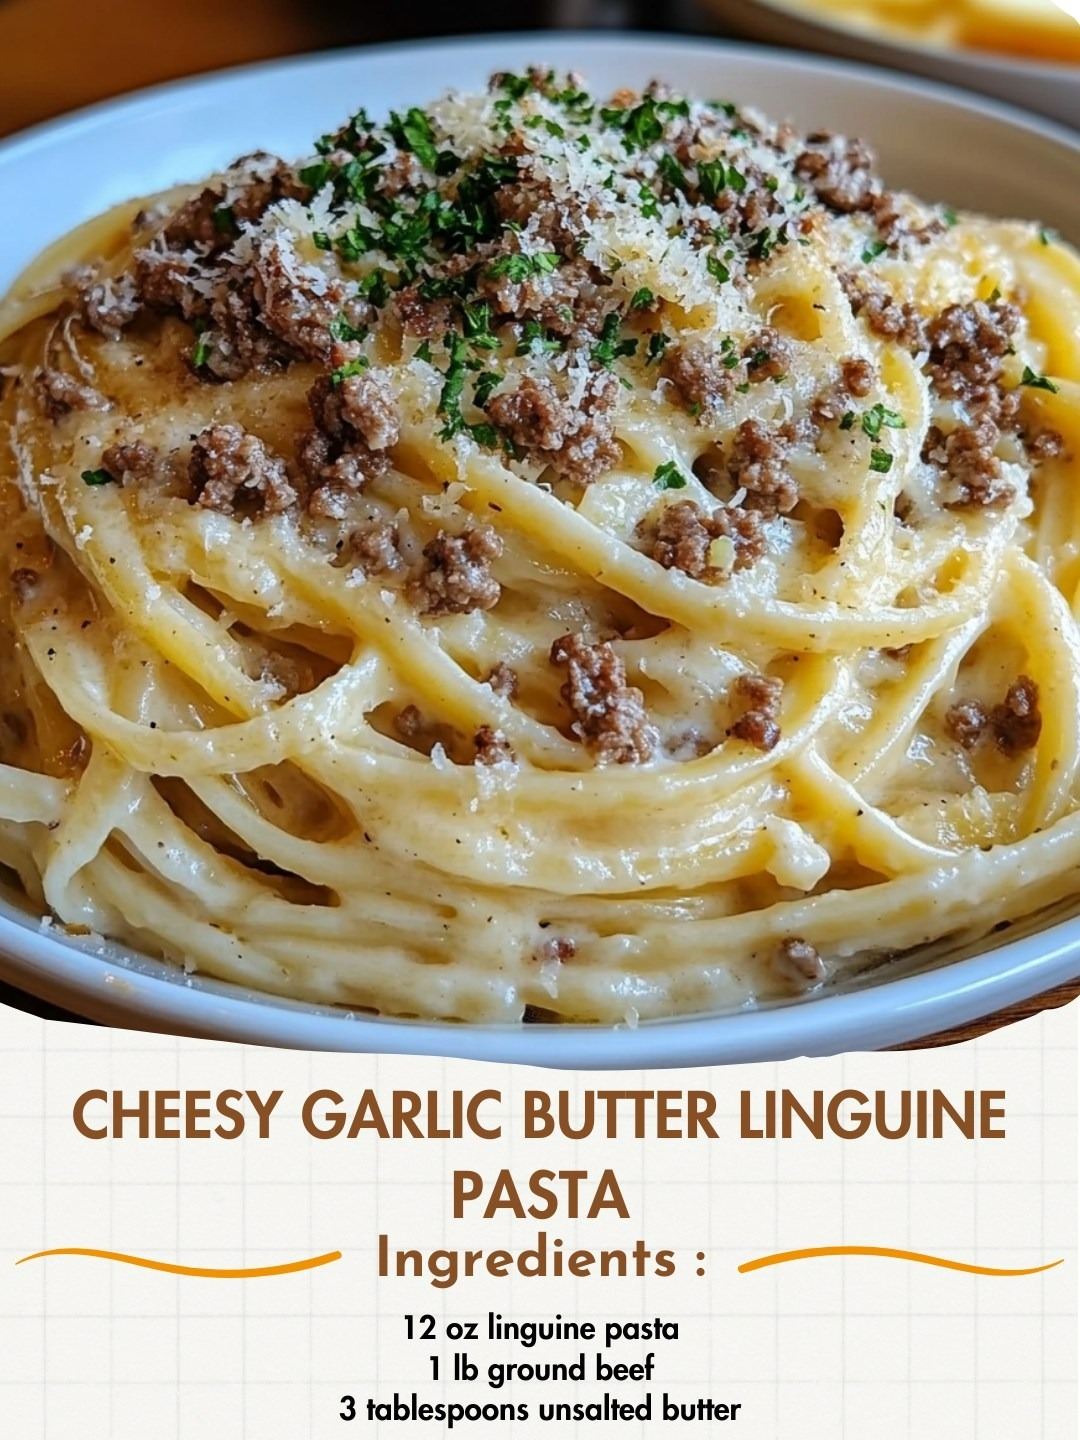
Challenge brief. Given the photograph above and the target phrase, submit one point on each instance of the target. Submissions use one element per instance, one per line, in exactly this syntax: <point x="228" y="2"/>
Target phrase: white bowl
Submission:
<point x="1051" y="89"/>
<point x="948" y="146"/>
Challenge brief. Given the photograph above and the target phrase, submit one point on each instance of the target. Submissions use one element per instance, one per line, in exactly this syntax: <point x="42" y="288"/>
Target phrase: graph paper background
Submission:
<point x="853" y="1347"/>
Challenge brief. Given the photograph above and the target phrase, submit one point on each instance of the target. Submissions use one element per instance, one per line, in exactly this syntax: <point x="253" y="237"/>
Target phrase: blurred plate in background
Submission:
<point x="1052" y="89"/>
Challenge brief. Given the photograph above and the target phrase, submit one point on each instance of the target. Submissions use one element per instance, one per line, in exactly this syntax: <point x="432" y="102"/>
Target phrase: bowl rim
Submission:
<point x="883" y="1014"/>
<point x="994" y="62"/>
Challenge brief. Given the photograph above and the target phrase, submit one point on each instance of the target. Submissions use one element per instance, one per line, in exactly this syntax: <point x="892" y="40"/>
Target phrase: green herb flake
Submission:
<point x="1037" y="382"/>
<point x="98" y="477"/>
<point x="880" y="461"/>
<point x="342" y="329"/>
<point x="877" y="416"/>
<point x="950" y="216"/>
<point x="423" y="352"/>
<point x="609" y="347"/>
<point x="873" y="250"/>
<point x="224" y="220"/>
<point x="536" y="341"/>
<point x="712" y="178"/>
<point x="200" y="353"/>
<point x="673" y="172"/>
<point x="1046" y="235"/>
<point x="642" y="299"/>
<point x="413" y="132"/>
<point x="669" y="477"/>
<point x="658" y="343"/>
<point x="717" y="269"/>
<point x="518" y="268"/>
<point x="848" y="420"/>
<point x="321" y="240"/>
<point x="476" y="323"/>
<point x="344" y="372"/>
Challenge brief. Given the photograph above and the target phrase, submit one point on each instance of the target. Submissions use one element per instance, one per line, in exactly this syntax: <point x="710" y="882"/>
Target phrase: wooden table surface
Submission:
<point x="56" y="55"/>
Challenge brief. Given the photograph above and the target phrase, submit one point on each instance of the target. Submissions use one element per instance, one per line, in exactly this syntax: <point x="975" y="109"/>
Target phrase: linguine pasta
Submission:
<point x="541" y="557"/>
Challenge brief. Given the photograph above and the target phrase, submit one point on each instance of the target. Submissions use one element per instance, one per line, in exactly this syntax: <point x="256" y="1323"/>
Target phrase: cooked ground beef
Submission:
<point x="967" y="344"/>
<point x="967" y="458"/>
<point x="798" y="962"/>
<point x="965" y="723"/>
<point x="703" y="374"/>
<point x="758" y="463"/>
<point x="871" y="301"/>
<point x="456" y="577"/>
<point x="492" y="747"/>
<point x="409" y="723"/>
<point x="107" y="305"/>
<point x="297" y="302"/>
<point x="684" y="535"/>
<point x="1014" y="725"/>
<point x="840" y="172"/>
<point x="759" y="698"/>
<point x="210" y="220"/>
<point x="856" y="380"/>
<point x="355" y="424"/>
<point x="768" y="356"/>
<point x="1017" y="721"/>
<point x="576" y="439"/>
<point x="423" y="318"/>
<point x="560" y="948"/>
<point x="531" y="203"/>
<point x="609" y="715"/>
<point x="167" y="282"/>
<point x="231" y="469"/>
<point x="568" y="301"/>
<point x="138" y="462"/>
<point x="375" y="549"/>
<point x="503" y="680"/>
<point x="61" y="393"/>
<point x="1046" y="445"/>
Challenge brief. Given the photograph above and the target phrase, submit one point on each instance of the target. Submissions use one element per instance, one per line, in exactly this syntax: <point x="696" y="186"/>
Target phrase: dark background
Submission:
<point x="56" y="55"/>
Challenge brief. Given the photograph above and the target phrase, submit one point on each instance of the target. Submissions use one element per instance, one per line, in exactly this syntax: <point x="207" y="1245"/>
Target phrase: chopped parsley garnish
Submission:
<point x="535" y="122"/>
<point x="1046" y="235"/>
<point x="873" y="249"/>
<point x="518" y="268"/>
<point x="642" y="299"/>
<point x="224" y="220"/>
<point x="476" y="323"/>
<point x="609" y="347"/>
<point x="650" y="206"/>
<point x="342" y="329"/>
<point x="950" y="215"/>
<point x="486" y="382"/>
<point x="98" y="477"/>
<point x="485" y="435"/>
<point x="995" y="294"/>
<point x="717" y="269"/>
<point x="321" y="240"/>
<point x="343" y="372"/>
<point x="669" y="477"/>
<point x="877" y="416"/>
<point x="1037" y="382"/>
<point x="375" y="289"/>
<point x="658" y="343"/>
<point x="848" y="420"/>
<point x="711" y="179"/>
<point x="423" y="352"/>
<point x="200" y="353"/>
<point x="413" y="132"/>
<point x="536" y="341"/>
<point x="880" y="461"/>
<point x="317" y="175"/>
<point x="642" y="125"/>
<point x="736" y="179"/>
<point x="516" y="86"/>
<point x="672" y="172"/>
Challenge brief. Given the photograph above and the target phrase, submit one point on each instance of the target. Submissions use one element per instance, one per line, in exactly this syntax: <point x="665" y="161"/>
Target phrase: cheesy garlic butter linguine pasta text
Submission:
<point x="541" y="557"/>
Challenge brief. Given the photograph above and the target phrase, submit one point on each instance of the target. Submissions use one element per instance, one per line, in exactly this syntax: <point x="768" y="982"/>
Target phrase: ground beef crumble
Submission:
<point x="375" y="549"/>
<point x="1014" y="725"/>
<point x="503" y="680"/>
<point x="759" y="697"/>
<point x="135" y="462"/>
<point x="210" y="220"/>
<point x="885" y="317"/>
<point x="968" y="460"/>
<point x="798" y="963"/>
<point x="232" y="469"/>
<point x="701" y="373"/>
<point x="758" y="463"/>
<point x="840" y="172"/>
<point x="576" y="439"/>
<point x="61" y="393"/>
<point x="609" y="715"/>
<point x="456" y="577"/>
<point x="685" y="532"/>
<point x="492" y="747"/>
<point x="356" y="423"/>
